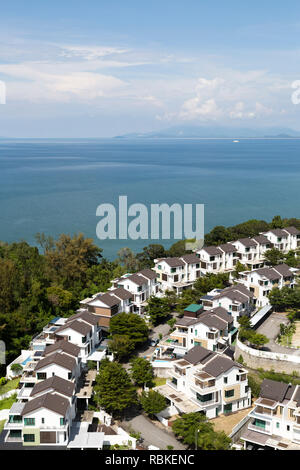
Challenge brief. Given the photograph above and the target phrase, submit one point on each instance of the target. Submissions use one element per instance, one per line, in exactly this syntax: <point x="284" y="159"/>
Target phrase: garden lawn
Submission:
<point x="6" y="404"/>
<point x="159" y="381"/>
<point x="10" y="385"/>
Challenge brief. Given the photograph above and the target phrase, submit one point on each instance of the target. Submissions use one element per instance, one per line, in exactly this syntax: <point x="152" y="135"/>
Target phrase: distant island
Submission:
<point x="216" y="132"/>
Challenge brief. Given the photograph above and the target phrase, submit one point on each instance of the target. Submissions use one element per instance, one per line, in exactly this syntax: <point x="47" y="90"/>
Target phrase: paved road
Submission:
<point x="271" y="329"/>
<point x="152" y="434"/>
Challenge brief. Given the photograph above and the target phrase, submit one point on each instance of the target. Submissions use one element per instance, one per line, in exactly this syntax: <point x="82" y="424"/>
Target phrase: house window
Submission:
<point x="288" y="427"/>
<point x="29" y="421"/>
<point x="62" y="421"/>
<point x="260" y="423"/>
<point x="41" y="375"/>
<point x="204" y="398"/>
<point x="229" y="393"/>
<point x="277" y="425"/>
<point x="69" y="375"/>
<point x="225" y="380"/>
<point x="43" y="420"/>
<point x="29" y="437"/>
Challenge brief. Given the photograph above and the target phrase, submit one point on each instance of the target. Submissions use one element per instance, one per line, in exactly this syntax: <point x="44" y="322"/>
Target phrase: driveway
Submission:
<point x="271" y="329"/>
<point x="152" y="434"/>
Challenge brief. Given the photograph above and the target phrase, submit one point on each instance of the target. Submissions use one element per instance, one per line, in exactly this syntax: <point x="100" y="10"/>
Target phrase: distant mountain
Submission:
<point x="217" y="132"/>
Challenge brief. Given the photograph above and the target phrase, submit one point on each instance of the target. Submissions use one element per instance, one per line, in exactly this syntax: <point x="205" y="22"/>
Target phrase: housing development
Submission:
<point x="202" y="361"/>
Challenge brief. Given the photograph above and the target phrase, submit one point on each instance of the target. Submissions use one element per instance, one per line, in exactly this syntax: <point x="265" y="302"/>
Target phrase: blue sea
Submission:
<point x="55" y="186"/>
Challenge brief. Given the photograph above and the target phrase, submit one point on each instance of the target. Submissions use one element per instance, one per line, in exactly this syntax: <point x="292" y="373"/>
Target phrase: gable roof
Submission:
<point x="76" y="325"/>
<point x="191" y="259"/>
<point x="107" y="299"/>
<point x="212" y="250"/>
<point x="148" y="273"/>
<point x="86" y="316"/>
<point x="228" y="248"/>
<point x="173" y="262"/>
<point x="278" y="232"/>
<point x="65" y="346"/>
<point x="121" y="293"/>
<point x="58" y="384"/>
<point x="198" y="354"/>
<point x="292" y="230"/>
<point x="274" y="390"/>
<point x="261" y="239"/>
<point x="136" y="279"/>
<point x="60" y="359"/>
<point x="50" y="401"/>
<point x="247" y="242"/>
<point x="218" y="365"/>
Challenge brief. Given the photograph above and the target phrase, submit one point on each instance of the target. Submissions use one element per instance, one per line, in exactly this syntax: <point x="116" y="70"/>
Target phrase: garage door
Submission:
<point x="47" y="437"/>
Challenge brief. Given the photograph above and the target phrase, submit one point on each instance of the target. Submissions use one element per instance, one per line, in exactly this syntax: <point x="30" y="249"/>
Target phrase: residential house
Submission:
<point x="262" y="281"/>
<point x="237" y="300"/>
<point x="45" y="419"/>
<point x="141" y="286"/>
<point x="211" y="329"/>
<point x="275" y="419"/>
<point x="284" y="239"/>
<point x="177" y="273"/>
<point x="216" y="259"/>
<point x="207" y="382"/>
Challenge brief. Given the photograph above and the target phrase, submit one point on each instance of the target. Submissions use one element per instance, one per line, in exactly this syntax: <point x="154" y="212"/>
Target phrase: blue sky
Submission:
<point x="98" y="69"/>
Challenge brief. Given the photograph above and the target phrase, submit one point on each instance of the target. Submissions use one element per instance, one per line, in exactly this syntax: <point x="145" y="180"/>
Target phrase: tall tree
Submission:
<point x="114" y="391"/>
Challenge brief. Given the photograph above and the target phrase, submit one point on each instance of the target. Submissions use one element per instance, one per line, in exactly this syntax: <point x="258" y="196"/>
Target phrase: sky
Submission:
<point x="104" y="68"/>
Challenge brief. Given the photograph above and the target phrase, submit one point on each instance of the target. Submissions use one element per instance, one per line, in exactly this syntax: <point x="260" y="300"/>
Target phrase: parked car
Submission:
<point x="153" y="342"/>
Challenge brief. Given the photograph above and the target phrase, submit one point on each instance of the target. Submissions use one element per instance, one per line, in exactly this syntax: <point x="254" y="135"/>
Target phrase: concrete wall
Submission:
<point x="254" y="358"/>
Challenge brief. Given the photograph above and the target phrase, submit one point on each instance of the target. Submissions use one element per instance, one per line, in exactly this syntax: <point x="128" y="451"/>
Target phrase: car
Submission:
<point x="153" y="342"/>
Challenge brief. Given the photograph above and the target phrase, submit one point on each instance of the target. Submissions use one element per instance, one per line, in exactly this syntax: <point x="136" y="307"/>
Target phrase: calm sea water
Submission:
<point x="55" y="186"/>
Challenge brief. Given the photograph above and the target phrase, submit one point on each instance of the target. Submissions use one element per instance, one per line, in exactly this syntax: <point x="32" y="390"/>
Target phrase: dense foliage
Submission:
<point x="195" y="430"/>
<point x="114" y="391"/>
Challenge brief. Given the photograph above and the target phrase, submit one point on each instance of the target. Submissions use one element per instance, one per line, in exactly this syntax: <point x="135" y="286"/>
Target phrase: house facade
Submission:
<point x="177" y="273"/>
<point x="212" y="329"/>
<point x="207" y="382"/>
<point x="237" y="301"/>
<point x="275" y="419"/>
<point x="262" y="281"/>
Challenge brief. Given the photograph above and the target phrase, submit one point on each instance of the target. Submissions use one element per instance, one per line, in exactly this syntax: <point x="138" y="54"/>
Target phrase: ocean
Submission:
<point x="55" y="186"/>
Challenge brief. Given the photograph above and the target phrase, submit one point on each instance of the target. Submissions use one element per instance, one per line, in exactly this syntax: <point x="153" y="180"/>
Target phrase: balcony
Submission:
<point x="260" y="428"/>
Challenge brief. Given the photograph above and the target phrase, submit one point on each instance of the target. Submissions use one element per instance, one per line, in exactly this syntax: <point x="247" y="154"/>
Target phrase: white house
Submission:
<point x="212" y="330"/>
<point x="177" y="273"/>
<point x="207" y="382"/>
<point x="262" y="281"/>
<point x="237" y="300"/>
<point x="216" y="259"/>
<point x="284" y="239"/>
<point x="45" y="419"/>
<point x="141" y="286"/>
<point x="275" y="419"/>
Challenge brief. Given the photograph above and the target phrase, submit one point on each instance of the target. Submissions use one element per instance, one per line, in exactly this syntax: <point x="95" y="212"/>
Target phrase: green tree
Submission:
<point x="131" y="325"/>
<point x="158" y="309"/>
<point x="152" y="402"/>
<point x="114" y="391"/>
<point x="277" y="222"/>
<point x="141" y="371"/>
<point x="194" y="428"/>
<point x="17" y="368"/>
<point x="121" y="345"/>
<point x="273" y="257"/>
<point x="257" y="339"/>
<point x="127" y="258"/>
